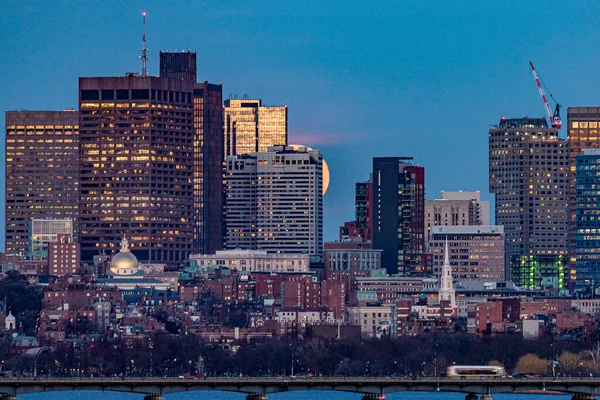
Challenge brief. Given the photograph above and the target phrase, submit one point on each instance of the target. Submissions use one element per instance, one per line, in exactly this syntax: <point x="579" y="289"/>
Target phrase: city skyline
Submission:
<point x="314" y="65"/>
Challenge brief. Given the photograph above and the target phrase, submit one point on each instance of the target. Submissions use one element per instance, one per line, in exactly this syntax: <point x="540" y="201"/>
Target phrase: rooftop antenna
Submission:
<point x="144" y="56"/>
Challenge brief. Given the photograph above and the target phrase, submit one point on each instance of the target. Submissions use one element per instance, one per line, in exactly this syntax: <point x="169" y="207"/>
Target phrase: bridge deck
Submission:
<point x="274" y="385"/>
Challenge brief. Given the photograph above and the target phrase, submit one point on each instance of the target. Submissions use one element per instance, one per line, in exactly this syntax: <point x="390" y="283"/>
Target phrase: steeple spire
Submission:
<point x="446" y="291"/>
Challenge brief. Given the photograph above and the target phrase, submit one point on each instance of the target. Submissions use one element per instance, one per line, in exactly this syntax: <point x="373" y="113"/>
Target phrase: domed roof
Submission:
<point x="124" y="262"/>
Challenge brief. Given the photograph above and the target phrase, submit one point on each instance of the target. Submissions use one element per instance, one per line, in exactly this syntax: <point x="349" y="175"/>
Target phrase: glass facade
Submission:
<point x="536" y="272"/>
<point x="587" y="218"/>
<point x="208" y="168"/>
<point x="42" y="171"/>
<point x="250" y="127"/>
<point x="583" y="124"/>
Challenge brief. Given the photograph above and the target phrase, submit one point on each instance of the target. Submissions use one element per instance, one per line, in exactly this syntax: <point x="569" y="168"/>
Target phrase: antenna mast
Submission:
<point x="144" y="56"/>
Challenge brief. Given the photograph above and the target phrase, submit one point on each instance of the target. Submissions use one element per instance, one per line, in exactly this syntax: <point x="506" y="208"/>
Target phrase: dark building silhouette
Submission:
<point x="178" y="65"/>
<point x="398" y="215"/>
<point x="136" y="156"/>
<point x="42" y="171"/>
<point x="208" y="168"/>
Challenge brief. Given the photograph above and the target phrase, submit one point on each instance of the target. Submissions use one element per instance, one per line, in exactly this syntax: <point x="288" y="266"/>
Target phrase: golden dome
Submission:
<point x="124" y="262"/>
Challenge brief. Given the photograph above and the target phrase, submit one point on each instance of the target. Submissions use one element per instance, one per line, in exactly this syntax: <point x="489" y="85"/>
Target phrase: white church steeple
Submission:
<point x="446" y="291"/>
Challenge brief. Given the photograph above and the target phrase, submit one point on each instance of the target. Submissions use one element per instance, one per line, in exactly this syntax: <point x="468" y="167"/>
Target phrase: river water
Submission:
<point x="306" y="395"/>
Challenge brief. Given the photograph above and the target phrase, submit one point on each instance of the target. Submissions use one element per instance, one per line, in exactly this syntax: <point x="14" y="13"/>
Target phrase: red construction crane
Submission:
<point x="554" y="117"/>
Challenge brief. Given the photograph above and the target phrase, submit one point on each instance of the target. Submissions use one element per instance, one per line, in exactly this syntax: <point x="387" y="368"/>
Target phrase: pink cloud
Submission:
<point x="319" y="139"/>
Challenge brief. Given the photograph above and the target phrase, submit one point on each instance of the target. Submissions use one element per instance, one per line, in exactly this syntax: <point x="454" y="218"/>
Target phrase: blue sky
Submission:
<point x="361" y="79"/>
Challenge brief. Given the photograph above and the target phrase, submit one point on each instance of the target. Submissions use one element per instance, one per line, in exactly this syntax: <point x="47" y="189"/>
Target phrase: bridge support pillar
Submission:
<point x="583" y="396"/>
<point x="256" y="396"/>
<point x="486" y="397"/>
<point x="151" y="397"/>
<point x="373" y="396"/>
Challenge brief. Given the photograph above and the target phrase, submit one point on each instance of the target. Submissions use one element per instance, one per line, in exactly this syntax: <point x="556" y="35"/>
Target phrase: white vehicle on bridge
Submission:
<point x="475" y="371"/>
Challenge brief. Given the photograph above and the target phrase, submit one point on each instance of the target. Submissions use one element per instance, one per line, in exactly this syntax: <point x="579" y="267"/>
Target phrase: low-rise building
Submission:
<point x="375" y="321"/>
<point x="253" y="261"/>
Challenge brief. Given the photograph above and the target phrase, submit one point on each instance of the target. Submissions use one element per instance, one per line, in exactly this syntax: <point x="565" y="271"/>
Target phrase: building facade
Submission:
<point x="398" y="215"/>
<point x="250" y="127"/>
<point x="178" y="65"/>
<point x="583" y="124"/>
<point x="254" y="261"/>
<point x="456" y="209"/>
<point x="274" y="201"/>
<point x="354" y="258"/>
<point x="587" y="218"/>
<point x="136" y="177"/>
<point x="43" y="231"/>
<point x="475" y="252"/>
<point x="208" y="168"/>
<point x="528" y="174"/>
<point x="208" y="150"/>
<point x="64" y="256"/>
<point x="42" y="172"/>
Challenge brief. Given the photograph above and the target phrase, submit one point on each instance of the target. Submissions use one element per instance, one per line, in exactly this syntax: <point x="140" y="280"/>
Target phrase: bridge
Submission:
<point x="258" y="388"/>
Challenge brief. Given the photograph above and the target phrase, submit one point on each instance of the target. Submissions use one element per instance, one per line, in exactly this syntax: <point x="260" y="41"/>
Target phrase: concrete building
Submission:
<point x="274" y="201"/>
<point x="398" y="215"/>
<point x="254" y="261"/>
<point x="137" y="166"/>
<point x="587" y="219"/>
<point x="456" y="208"/>
<point x="375" y="321"/>
<point x="476" y="252"/>
<point x="42" y="172"/>
<point x="64" y="256"/>
<point x="250" y="127"/>
<point x="528" y="173"/>
<point x="354" y="258"/>
<point x="43" y="231"/>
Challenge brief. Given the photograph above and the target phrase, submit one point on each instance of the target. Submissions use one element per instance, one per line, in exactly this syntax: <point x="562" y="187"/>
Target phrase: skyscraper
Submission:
<point x="361" y="229"/>
<point x="528" y="173"/>
<point x="136" y="155"/>
<point x="583" y="124"/>
<point x="274" y="201"/>
<point x="208" y="151"/>
<point x="398" y="215"/>
<point x="208" y="168"/>
<point x="42" y="171"/>
<point x="587" y="218"/>
<point x="250" y="127"/>
<point x="178" y="65"/>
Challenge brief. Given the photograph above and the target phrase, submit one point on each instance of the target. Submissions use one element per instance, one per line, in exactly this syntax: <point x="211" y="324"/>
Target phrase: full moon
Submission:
<point x="326" y="176"/>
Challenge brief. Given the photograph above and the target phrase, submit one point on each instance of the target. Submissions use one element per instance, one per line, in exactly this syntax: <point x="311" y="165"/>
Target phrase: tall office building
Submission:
<point x="208" y="168"/>
<point x="528" y="173"/>
<point x="398" y="215"/>
<point x="178" y="65"/>
<point x="208" y="151"/>
<point x="42" y="171"/>
<point x="136" y="154"/>
<point x="583" y="125"/>
<point x="250" y="127"/>
<point x="274" y="201"/>
<point x="587" y="219"/>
